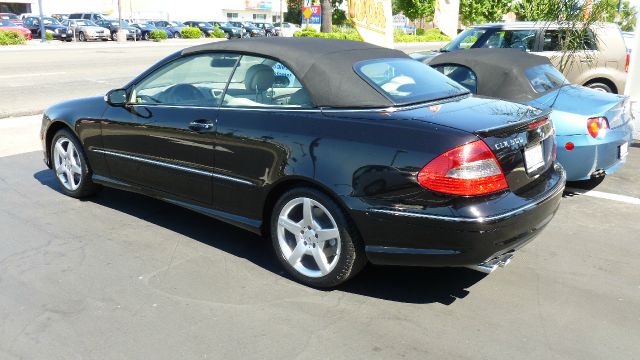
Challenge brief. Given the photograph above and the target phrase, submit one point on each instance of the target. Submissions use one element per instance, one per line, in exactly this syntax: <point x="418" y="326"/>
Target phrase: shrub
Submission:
<point x="158" y="35"/>
<point x="339" y="34"/>
<point x="429" y="36"/>
<point x="217" y="33"/>
<point x="191" y="33"/>
<point x="419" y="31"/>
<point x="48" y="36"/>
<point x="11" y="38"/>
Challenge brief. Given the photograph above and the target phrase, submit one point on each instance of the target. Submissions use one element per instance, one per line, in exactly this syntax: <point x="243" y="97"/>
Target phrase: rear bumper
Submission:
<point x="418" y="238"/>
<point x="592" y="156"/>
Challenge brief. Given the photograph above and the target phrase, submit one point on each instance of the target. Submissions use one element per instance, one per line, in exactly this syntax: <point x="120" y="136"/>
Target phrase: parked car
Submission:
<point x="205" y="27"/>
<point x="372" y="159"/>
<point x="113" y="26"/>
<point x="84" y="30"/>
<point x="230" y="31"/>
<point x="173" y="28"/>
<point x="268" y="28"/>
<point x="593" y="128"/>
<point x="51" y="25"/>
<point x="7" y="25"/>
<point x="147" y="28"/>
<point x="93" y="16"/>
<point x="253" y="30"/>
<point x="286" y="29"/>
<point x="11" y="17"/>
<point x="60" y="17"/>
<point x="602" y="66"/>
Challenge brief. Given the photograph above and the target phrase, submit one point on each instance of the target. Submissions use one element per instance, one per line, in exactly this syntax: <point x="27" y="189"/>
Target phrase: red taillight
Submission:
<point x="596" y="124"/>
<point x="626" y="66"/>
<point x="468" y="170"/>
<point x="569" y="146"/>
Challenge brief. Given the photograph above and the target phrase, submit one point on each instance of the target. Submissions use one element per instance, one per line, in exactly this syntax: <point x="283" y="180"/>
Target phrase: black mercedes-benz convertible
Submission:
<point x="341" y="152"/>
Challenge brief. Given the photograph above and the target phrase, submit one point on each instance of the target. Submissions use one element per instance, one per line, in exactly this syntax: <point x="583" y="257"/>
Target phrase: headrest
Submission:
<point x="259" y="77"/>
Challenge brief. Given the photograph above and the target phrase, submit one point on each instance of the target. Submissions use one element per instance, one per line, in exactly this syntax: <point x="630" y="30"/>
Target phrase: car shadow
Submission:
<point x="399" y="284"/>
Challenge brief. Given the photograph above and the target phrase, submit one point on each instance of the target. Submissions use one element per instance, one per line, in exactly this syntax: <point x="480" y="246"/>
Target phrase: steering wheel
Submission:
<point x="184" y="94"/>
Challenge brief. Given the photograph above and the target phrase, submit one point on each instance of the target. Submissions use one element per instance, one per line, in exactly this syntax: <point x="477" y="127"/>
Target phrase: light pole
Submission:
<point x="43" y="34"/>
<point x="122" y="36"/>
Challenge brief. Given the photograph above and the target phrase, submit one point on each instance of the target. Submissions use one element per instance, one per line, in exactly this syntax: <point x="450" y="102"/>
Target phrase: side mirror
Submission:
<point x="117" y="97"/>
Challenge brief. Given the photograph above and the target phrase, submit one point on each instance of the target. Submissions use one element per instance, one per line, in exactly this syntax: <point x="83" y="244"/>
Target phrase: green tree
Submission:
<point x="627" y="17"/>
<point x="483" y="11"/>
<point x="415" y="9"/>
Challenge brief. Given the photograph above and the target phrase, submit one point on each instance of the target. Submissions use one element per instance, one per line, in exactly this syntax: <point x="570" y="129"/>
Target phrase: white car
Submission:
<point x="287" y="29"/>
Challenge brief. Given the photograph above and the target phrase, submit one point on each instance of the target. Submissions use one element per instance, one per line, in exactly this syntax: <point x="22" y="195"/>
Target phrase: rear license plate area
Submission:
<point x="533" y="158"/>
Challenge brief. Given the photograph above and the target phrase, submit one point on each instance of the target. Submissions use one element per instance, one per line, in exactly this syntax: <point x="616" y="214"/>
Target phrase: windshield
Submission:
<point x="465" y="39"/>
<point x="9" y="17"/>
<point x="204" y="24"/>
<point x="85" y="23"/>
<point x="115" y="22"/>
<point x="545" y="77"/>
<point x="50" y="21"/>
<point x="176" y="23"/>
<point x="406" y="81"/>
<point x="7" y="23"/>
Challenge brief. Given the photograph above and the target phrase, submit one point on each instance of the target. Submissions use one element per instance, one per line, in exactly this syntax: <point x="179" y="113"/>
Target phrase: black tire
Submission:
<point x="81" y="36"/>
<point x="146" y="36"/>
<point x="227" y="36"/>
<point x="86" y="186"/>
<point x="599" y="86"/>
<point x="114" y="36"/>
<point x="351" y="259"/>
<point x="176" y="35"/>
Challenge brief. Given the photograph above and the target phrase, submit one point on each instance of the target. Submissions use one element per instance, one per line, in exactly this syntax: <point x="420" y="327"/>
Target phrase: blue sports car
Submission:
<point x="593" y="128"/>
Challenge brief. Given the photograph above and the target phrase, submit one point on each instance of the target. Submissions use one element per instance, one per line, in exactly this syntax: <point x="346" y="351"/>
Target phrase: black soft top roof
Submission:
<point x="500" y="73"/>
<point x="323" y="66"/>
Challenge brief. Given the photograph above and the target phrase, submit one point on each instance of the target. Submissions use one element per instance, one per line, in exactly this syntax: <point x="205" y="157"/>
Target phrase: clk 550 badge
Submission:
<point x="514" y="143"/>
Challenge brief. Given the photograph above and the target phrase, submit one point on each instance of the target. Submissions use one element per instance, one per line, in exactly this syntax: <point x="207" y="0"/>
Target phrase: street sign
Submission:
<point x="311" y="15"/>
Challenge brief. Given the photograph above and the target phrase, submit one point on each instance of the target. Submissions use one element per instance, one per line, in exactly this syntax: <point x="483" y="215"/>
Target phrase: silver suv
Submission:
<point x="602" y="66"/>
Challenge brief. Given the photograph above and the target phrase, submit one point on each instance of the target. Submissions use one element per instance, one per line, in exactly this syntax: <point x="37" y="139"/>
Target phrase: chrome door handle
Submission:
<point x="200" y="125"/>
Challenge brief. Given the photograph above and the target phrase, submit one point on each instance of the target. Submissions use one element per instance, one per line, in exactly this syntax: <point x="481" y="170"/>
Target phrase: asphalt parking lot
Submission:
<point x="125" y="276"/>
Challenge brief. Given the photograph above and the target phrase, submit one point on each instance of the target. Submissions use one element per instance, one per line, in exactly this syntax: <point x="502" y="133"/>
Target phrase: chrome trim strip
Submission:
<point x="174" y="167"/>
<point x="559" y="188"/>
<point x="407" y="251"/>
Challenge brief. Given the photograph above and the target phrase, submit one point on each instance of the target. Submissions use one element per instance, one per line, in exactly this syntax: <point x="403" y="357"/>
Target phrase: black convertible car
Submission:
<point x="356" y="154"/>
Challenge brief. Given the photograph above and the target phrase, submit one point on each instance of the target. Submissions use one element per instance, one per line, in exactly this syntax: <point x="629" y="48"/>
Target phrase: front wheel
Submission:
<point x="146" y="36"/>
<point x="82" y="37"/>
<point x="314" y="240"/>
<point x="176" y="35"/>
<point x="71" y="166"/>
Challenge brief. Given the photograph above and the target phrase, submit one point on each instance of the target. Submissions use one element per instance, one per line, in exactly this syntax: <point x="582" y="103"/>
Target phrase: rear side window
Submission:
<point x="406" y="81"/>
<point x="553" y="38"/>
<point x="512" y="39"/>
<point x="545" y="77"/>
<point x="460" y="74"/>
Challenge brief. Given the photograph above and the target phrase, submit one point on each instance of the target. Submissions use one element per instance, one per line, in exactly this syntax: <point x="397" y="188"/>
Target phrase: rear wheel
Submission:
<point x="599" y="86"/>
<point x="146" y="36"/>
<point x="114" y="36"/>
<point x="71" y="166"/>
<point x="176" y="35"/>
<point x="314" y="240"/>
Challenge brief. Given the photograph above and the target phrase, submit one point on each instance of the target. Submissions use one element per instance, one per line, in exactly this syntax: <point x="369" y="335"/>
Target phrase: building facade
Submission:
<point x="182" y="10"/>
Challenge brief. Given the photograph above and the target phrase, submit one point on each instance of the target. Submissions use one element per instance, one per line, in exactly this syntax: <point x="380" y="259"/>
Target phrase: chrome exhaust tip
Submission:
<point x="490" y="266"/>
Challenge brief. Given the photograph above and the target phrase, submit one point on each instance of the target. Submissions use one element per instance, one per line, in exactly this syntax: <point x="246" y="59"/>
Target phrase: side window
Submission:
<point x="86" y="16"/>
<point x="259" y="82"/>
<point x="514" y="39"/>
<point x="460" y="74"/>
<point x="553" y="38"/>
<point x="28" y="22"/>
<point x="197" y="80"/>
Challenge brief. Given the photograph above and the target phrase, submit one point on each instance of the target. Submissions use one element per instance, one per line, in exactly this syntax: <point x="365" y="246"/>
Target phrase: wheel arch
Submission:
<point x="603" y="80"/>
<point x="288" y="183"/>
<point x="51" y="131"/>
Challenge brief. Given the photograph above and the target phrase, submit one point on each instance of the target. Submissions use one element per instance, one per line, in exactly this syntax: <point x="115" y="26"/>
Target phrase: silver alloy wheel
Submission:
<point x="67" y="163"/>
<point x="309" y="237"/>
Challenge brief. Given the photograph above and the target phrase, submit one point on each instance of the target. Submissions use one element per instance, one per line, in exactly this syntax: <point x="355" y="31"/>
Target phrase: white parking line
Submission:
<point x="31" y="75"/>
<point x="604" y="195"/>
